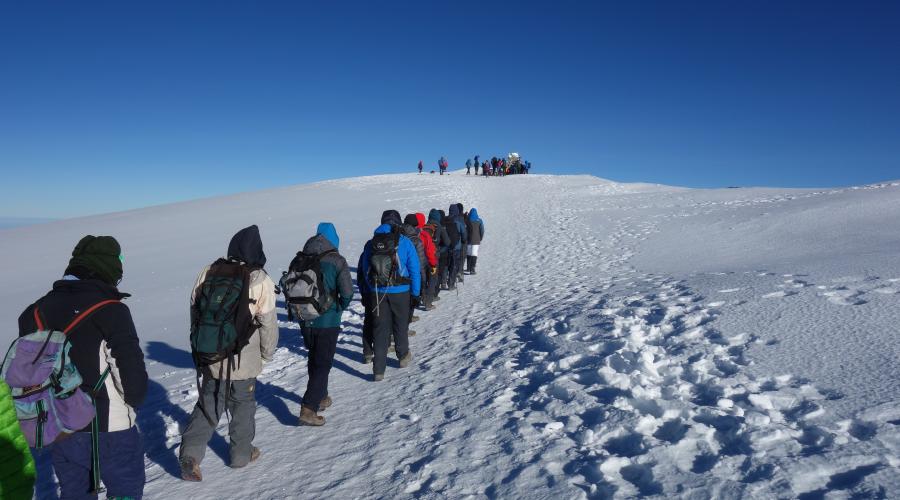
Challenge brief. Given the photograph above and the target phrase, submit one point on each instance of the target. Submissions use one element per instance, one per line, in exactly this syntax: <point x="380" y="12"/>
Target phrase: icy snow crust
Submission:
<point x="618" y="341"/>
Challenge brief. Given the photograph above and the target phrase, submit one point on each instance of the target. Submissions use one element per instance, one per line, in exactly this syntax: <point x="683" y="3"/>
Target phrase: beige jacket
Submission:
<point x="264" y="340"/>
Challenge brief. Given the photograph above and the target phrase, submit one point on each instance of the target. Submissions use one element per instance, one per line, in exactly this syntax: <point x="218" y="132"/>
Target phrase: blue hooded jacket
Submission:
<point x="409" y="267"/>
<point x="327" y="230"/>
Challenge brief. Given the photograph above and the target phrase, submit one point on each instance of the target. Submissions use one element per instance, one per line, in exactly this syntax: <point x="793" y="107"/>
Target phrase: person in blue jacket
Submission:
<point x="390" y="303"/>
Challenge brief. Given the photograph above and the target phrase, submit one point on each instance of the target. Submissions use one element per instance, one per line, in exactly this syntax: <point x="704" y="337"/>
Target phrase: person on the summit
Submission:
<point x="442" y="165"/>
<point x="239" y="397"/>
<point x="106" y="340"/>
<point x="420" y="166"/>
<point x="390" y="275"/>
<point x="469" y="166"/>
<point x="475" y="228"/>
<point x="320" y="336"/>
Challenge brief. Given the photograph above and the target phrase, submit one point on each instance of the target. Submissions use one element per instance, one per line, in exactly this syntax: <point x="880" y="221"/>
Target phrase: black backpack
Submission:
<point x="452" y="230"/>
<point x="222" y="324"/>
<point x="384" y="264"/>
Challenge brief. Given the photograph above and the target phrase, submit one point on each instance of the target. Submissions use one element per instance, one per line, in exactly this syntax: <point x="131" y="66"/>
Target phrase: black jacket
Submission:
<point x="107" y="335"/>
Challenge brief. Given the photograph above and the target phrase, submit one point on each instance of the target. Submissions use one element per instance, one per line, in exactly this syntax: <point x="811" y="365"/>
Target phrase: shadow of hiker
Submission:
<point x="273" y="397"/>
<point x="151" y="417"/>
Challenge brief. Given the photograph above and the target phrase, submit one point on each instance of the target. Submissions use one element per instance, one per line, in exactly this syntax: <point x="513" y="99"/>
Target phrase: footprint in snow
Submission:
<point x="779" y="294"/>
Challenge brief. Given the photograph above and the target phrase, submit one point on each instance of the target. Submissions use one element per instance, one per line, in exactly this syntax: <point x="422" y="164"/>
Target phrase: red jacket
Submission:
<point x="430" y="251"/>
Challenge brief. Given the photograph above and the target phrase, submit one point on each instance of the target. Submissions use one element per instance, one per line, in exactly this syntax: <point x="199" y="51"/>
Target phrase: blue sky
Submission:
<point x="113" y="105"/>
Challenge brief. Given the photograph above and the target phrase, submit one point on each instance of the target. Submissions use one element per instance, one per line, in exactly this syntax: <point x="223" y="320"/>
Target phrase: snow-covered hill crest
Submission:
<point x="618" y="341"/>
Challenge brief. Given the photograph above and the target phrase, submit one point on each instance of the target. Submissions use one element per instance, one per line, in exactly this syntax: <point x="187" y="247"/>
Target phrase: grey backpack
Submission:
<point x="304" y="290"/>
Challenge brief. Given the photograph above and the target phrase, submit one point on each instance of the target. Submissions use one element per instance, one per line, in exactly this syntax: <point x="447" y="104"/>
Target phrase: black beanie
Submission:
<point x="411" y="220"/>
<point x="391" y="217"/>
<point x="101" y="256"/>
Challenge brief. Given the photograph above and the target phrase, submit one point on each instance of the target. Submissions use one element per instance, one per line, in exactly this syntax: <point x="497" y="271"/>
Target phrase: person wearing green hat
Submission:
<point x="108" y="341"/>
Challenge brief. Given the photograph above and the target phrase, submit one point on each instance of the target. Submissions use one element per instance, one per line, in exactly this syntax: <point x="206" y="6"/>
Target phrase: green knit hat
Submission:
<point x="100" y="255"/>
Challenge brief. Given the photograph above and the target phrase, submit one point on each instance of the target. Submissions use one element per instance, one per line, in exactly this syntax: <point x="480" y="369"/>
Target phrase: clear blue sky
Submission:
<point x="113" y="105"/>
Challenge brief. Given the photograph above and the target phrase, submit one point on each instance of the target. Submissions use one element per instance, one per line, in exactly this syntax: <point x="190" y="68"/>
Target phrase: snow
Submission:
<point x="619" y="340"/>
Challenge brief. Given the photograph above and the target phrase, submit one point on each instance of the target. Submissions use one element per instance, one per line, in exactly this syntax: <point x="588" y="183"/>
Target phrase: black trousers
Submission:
<point x="322" y="344"/>
<point x="391" y="320"/>
<point x="443" y="264"/>
<point x="453" y="267"/>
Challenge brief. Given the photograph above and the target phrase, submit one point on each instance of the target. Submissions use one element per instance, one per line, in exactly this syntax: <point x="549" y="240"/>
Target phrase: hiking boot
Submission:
<point x="325" y="403"/>
<point x="411" y="333"/>
<point x="309" y="417"/>
<point x="414" y="319"/>
<point x="406" y="360"/>
<point x="430" y="307"/>
<point x="190" y="470"/>
<point x="378" y="377"/>
<point x="254" y="454"/>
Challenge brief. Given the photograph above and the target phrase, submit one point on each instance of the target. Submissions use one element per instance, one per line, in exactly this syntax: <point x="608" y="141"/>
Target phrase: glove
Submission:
<point x="433" y="270"/>
<point x="415" y="300"/>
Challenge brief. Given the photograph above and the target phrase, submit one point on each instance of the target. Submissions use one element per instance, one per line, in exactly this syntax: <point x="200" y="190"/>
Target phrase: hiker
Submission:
<point x="410" y="229"/>
<point x="462" y="217"/>
<point x="420" y="166"/>
<point x="390" y="275"/>
<point x="468" y="166"/>
<point x="442" y="165"/>
<point x="320" y="335"/>
<point x="17" y="475"/>
<point x="227" y="374"/>
<point x="106" y="351"/>
<point x="431" y="261"/>
<point x="442" y="243"/>
<point x="485" y="169"/>
<point x="455" y="229"/>
<point x="476" y="164"/>
<point x="475" y="231"/>
<point x="427" y="259"/>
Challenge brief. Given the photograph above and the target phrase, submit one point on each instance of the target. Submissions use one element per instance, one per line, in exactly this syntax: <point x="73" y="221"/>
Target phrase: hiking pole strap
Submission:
<point x="96" y="487"/>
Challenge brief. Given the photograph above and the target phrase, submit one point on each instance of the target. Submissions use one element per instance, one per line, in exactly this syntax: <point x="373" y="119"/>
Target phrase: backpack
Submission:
<point x="431" y="230"/>
<point x="413" y="235"/>
<point x="384" y="264"/>
<point x="222" y="323"/>
<point x="303" y="287"/>
<point x="46" y="385"/>
<point x="453" y="230"/>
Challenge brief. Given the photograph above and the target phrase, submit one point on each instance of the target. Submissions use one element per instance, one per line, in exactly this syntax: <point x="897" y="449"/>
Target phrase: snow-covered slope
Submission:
<point x="618" y="340"/>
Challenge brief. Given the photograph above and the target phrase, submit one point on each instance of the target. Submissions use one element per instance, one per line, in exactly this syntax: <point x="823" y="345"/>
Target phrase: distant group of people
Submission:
<point x="90" y="382"/>
<point x="495" y="167"/>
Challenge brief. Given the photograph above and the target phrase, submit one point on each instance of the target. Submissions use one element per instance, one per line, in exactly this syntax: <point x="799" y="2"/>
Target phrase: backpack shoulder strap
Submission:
<point x="91" y="310"/>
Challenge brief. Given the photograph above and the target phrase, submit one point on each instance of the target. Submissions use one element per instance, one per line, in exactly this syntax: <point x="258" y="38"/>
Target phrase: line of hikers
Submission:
<point x="495" y="167"/>
<point x="76" y="373"/>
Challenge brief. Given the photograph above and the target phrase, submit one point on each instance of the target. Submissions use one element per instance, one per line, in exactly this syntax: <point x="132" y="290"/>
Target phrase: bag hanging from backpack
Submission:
<point x="384" y="264"/>
<point x="222" y="323"/>
<point x="46" y="385"/>
<point x="304" y="289"/>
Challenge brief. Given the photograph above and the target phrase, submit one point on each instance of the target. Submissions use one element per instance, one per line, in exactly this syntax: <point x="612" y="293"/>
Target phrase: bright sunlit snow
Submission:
<point x="618" y="340"/>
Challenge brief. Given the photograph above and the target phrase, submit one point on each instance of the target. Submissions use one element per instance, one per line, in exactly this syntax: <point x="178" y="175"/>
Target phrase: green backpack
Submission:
<point x="222" y="324"/>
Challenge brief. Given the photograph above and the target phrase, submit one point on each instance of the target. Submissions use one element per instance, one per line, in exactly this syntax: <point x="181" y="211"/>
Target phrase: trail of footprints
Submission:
<point x="661" y="392"/>
<point x="842" y="291"/>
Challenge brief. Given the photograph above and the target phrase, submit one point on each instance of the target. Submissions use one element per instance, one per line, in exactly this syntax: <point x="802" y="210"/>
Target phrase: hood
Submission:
<point x="384" y="228"/>
<point x="443" y="214"/>
<point x="246" y="246"/>
<point x="473" y="214"/>
<point x="391" y="217"/>
<point x="327" y="230"/>
<point x="461" y="210"/>
<point x="420" y="219"/>
<point x="454" y="210"/>
<point x="434" y="215"/>
<point x="318" y="244"/>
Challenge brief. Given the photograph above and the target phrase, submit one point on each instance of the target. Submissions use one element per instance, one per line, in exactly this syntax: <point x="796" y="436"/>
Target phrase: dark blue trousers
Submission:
<point x="121" y="464"/>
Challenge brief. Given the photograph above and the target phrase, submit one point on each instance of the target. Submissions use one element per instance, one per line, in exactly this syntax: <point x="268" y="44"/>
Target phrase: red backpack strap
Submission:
<point x="37" y="318"/>
<point x="88" y="312"/>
